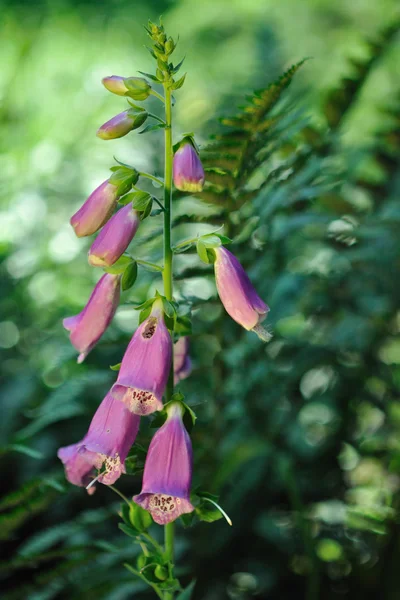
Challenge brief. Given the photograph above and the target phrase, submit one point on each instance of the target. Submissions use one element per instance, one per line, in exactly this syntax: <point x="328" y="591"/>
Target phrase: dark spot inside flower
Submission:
<point x="150" y="328"/>
<point x="108" y="430"/>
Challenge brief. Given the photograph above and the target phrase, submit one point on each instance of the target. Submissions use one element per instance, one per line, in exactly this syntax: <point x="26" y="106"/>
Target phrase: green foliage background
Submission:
<point x="300" y="438"/>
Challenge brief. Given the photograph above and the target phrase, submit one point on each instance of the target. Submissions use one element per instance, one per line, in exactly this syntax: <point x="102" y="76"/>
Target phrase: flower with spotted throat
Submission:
<point x="167" y="473"/>
<point x="106" y="445"/>
<point x="145" y="366"/>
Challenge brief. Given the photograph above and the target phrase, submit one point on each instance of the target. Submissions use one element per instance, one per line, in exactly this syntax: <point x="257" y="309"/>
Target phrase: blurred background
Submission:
<point x="300" y="438"/>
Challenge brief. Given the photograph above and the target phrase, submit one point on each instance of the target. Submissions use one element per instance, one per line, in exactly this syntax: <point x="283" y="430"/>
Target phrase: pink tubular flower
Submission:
<point x="89" y="325"/>
<point x="167" y="473"/>
<point x="111" y="434"/>
<point x="114" y="238"/>
<point x="182" y="362"/>
<point x="188" y="170"/>
<point x="237" y="294"/>
<point x="96" y="210"/>
<point x="145" y="366"/>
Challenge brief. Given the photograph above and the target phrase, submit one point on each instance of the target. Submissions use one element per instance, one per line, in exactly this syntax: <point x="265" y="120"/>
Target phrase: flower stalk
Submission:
<point x="169" y="529"/>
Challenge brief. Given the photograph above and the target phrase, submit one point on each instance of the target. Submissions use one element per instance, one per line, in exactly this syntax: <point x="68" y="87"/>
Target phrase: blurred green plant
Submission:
<point x="306" y="432"/>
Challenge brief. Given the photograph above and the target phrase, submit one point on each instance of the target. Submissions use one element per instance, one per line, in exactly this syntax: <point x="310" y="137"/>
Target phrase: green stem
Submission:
<point x="157" y="95"/>
<point x="159" y="181"/>
<point x="167" y="279"/>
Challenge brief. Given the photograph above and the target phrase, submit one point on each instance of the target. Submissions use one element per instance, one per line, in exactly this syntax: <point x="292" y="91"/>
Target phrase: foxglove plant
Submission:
<point x="157" y="357"/>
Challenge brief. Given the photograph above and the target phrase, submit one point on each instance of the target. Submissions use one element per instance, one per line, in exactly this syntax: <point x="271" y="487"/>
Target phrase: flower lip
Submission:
<point x="164" y="508"/>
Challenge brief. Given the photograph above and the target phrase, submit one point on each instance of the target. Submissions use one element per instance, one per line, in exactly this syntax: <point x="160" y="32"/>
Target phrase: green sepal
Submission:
<point x="138" y="88"/>
<point x="139" y="517"/>
<point x="119" y="266"/>
<point x="144" y="314"/>
<point x="206" y="511"/>
<point x="133" y="533"/>
<point x="115" y="367"/>
<point x="145" y="304"/>
<point x="141" y="201"/>
<point x="161" y="572"/>
<point x="207" y="255"/>
<point x="136" y="107"/>
<point x="138" y="118"/>
<point x="123" y="178"/>
<point x="129" y="276"/>
<point x="183" y="325"/>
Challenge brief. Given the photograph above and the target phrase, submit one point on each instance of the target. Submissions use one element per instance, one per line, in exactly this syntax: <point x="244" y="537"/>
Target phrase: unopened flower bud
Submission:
<point x="89" y="325"/>
<point x="96" y="210"/>
<point x="137" y="88"/>
<point x="237" y="294"/>
<point x="115" y="84"/>
<point x="114" y="238"/>
<point x="188" y="170"/>
<point x="121" y="124"/>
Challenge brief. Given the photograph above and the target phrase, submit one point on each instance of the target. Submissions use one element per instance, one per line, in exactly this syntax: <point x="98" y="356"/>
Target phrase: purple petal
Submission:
<point x="106" y="445"/>
<point x="168" y="471"/>
<point x="188" y="170"/>
<point x="88" y="326"/>
<point x="145" y="366"/>
<point x="96" y="210"/>
<point x="115" y="237"/>
<point x="236" y="292"/>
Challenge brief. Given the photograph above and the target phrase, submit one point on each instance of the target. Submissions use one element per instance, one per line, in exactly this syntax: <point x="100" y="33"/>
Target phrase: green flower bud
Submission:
<point x="137" y="88"/>
<point x="161" y="572"/>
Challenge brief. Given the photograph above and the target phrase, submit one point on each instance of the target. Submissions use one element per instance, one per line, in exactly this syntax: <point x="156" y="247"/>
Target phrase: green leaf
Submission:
<point x="149" y="75"/>
<point x="178" y="66"/>
<point x="129" y="276"/>
<point x="144" y="314"/>
<point x="119" y="266"/>
<point x="133" y="533"/>
<point x="139" y="199"/>
<point x="178" y="84"/>
<point x="186" y="594"/>
<point x="168" y="308"/>
<point x="115" y="367"/>
<point x="145" y="304"/>
<point x="22" y="449"/>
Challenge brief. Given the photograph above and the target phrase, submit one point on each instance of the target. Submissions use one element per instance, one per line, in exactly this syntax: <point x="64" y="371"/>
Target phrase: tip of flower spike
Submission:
<point x="262" y="333"/>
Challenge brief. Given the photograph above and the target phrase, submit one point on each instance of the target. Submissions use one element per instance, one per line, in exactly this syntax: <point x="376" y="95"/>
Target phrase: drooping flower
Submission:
<point x="114" y="238"/>
<point x="237" y="294"/>
<point x="105" y="446"/>
<point x="121" y="124"/>
<point x="89" y="325"/>
<point x="167" y="473"/>
<point x="145" y="366"/>
<point x="182" y="362"/>
<point x="187" y="167"/>
<point x="134" y="87"/>
<point x="96" y="210"/>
